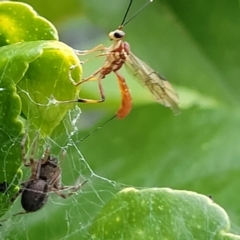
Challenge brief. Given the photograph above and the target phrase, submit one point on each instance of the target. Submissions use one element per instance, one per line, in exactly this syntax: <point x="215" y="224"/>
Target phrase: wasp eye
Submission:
<point x="118" y="34"/>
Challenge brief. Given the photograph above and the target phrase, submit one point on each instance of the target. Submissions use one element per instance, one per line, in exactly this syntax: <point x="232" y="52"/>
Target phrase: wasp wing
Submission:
<point x="160" y="88"/>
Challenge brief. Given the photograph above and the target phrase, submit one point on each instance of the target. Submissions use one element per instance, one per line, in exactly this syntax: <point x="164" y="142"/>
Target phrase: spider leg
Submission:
<point x="4" y="220"/>
<point x="37" y="170"/>
<point x="34" y="146"/>
<point x="23" y="149"/>
<point x="72" y="189"/>
<point x="19" y="213"/>
<point x="56" y="179"/>
<point x="46" y="155"/>
<point x="34" y="164"/>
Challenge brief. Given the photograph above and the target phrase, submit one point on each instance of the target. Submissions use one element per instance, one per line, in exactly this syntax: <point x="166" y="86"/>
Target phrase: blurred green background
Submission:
<point x="194" y="44"/>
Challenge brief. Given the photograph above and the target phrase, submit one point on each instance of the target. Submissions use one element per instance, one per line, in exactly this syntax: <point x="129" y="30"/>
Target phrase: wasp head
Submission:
<point x="116" y="35"/>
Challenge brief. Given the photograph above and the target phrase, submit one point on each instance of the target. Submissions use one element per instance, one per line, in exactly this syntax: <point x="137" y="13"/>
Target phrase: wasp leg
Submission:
<point x="100" y="48"/>
<point x="126" y="104"/>
<point x="90" y="78"/>
<point x="99" y="79"/>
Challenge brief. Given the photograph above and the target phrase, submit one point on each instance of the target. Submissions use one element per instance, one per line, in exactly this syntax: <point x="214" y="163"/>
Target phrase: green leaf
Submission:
<point x="46" y="83"/>
<point x="30" y="62"/>
<point x="195" y="45"/>
<point x="10" y="135"/>
<point x="34" y="77"/>
<point x="27" y="65"/>
<point x="15" y="24"/>
<point x="160" y="214"/>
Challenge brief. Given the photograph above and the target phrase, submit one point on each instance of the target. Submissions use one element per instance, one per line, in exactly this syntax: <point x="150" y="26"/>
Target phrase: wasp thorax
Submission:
<point x="116" y="35"/>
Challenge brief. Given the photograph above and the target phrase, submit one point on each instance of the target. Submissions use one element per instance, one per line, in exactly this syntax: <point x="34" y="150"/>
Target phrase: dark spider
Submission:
<point x="45" y="178"/>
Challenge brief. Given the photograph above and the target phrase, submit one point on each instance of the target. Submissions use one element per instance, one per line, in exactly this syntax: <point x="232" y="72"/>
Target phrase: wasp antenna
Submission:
<point x="96" y="129"/>
<point x="126" y="13"/>
<point x="147" y="3"/>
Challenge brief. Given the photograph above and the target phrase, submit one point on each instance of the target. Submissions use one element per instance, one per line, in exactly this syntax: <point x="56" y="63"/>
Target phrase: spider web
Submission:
<point x="154" y="151"/>
<point x="72" y="215"/>
<point x="63" y="218"/>
<point x="70" y="218"/>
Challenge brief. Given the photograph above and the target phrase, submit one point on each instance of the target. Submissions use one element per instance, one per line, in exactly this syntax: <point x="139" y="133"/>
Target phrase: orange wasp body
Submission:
<point x="118" y="54"/>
